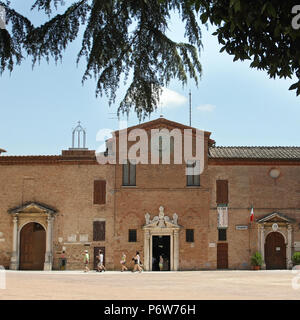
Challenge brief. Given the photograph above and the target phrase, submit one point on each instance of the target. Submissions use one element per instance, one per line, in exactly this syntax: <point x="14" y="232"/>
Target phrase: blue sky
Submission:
<point x="239" y="105"/>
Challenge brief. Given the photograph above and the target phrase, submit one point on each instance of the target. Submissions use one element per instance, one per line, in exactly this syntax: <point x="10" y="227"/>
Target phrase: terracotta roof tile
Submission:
<point x="288" y="153"/>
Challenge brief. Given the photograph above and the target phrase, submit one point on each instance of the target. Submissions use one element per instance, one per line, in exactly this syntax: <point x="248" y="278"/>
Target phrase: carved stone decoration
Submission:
<point x="161" y="220"/>
<point x="175" y="218"/>
<point x="147" y="217"/>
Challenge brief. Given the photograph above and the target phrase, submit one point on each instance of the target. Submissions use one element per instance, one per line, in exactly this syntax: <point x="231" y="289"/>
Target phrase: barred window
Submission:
<point x="129" y="173"/>
<point x="99" y="231"/>
<point x="222" y="234"/>
<point x="194" y="178"/>
<point x="132" y="235"/>
<point x="189" y="235"/>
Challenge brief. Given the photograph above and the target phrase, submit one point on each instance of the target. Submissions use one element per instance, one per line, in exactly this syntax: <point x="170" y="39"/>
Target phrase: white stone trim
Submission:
<point x="161" y="225"/>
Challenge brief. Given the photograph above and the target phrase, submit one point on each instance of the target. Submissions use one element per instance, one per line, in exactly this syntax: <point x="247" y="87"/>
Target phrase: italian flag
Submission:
<point x="251" y="215"/>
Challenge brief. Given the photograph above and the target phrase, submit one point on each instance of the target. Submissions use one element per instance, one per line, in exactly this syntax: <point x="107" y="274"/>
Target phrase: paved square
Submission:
<point x="151" y="285"/>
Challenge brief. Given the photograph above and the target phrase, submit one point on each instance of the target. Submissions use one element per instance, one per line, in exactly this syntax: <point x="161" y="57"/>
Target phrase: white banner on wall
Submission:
<point x="222" y="217"/>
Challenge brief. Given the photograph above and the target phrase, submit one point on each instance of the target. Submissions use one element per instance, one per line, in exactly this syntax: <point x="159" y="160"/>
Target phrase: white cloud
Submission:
<point x="206" y="107"/>
<point x="170" y="98"/>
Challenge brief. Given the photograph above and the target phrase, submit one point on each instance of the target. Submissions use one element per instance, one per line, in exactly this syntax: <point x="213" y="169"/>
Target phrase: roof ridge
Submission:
<point x="239" y="147"/>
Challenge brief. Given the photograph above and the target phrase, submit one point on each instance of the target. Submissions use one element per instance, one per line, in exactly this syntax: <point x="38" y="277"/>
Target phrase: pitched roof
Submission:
<point x="160" y="121"/>
<point x="284" y="153"/>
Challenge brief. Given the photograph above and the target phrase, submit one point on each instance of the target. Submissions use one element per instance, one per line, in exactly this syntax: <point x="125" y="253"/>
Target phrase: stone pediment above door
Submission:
<point x="275" y="217"/>
<point x="161" y="221"/>
<point x="33" y="208"/>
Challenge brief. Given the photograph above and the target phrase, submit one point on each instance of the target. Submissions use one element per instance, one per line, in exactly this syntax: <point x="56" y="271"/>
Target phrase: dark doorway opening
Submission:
<point x="161" y="246"/>
<point x="32" y="247"/>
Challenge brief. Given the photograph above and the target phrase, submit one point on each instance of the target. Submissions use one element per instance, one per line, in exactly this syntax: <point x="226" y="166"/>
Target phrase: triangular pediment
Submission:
<point x="33" y="207"/>
<point x="161" y="123"/>
<point x="275" y="217"/>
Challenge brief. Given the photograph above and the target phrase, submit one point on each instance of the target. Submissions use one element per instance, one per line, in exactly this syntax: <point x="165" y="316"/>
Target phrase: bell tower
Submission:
<point x="79" y="137"/>
<point x="78" y="149"/>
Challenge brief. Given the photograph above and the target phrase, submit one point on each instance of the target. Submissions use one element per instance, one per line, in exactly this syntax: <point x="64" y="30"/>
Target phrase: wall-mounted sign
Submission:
<point x="241" y="227"/>
<point x="222" y="217"/>
<point x="72" y="238"/>
<point x="212" y="245"/>
<point x="297" y="244"/>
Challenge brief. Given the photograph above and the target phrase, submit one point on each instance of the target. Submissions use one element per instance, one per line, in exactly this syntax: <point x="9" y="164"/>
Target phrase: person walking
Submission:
<point x="123" y="262"/>
<point x="100" y="265"/>
<point x="161" y="263"/>
<point x="137" y="262"/>
<point x="86" y="261"/>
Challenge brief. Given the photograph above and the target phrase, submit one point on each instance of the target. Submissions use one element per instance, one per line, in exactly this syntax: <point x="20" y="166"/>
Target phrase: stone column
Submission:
<point x="48" y="255"/>
<point x="262" y="245"/>
<point x="146" y="250"/>
<point x="289" y="248"/>
<point x="176" y="250"/>
<point x="14" y="260"/>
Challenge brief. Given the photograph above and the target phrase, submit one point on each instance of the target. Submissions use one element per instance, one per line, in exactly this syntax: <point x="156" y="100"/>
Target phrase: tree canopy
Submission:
<point x="129" y="38"/>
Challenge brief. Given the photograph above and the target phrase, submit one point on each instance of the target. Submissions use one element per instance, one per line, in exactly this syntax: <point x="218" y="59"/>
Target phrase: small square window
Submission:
<point x="222" y="234"/>
<point x="189" y="235"/>
<point x="132" y="235"/>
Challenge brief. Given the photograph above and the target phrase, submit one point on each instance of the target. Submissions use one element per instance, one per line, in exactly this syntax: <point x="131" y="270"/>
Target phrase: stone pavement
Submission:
<point x="151" y="285"/>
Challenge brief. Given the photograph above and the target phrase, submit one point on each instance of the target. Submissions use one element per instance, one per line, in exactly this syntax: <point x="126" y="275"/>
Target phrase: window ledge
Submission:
<point x="195" y="187"/>
<point x="129" y="187"/>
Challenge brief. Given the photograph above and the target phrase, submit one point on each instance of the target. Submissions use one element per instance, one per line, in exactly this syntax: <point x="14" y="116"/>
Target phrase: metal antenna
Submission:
<point x="190" y="98"/>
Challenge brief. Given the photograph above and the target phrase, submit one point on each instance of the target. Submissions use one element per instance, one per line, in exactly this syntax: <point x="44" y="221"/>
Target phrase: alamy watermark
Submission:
<point x="2" y="278"/>
<point x="154" y="146"/>
<point x="2" y="18"/>
<point x="296" y="18"/>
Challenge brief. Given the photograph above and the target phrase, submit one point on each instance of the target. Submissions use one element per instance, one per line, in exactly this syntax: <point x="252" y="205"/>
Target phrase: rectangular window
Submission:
<point x="132" y="235"/>
<point x="189" y="235"/>
<point x="99" y="231"/>
<point x="194" y="178"/>
<point x="222" y="234"/>
<point x="99" y="192"/>
<point x="129" y="173"/>
<point x="222" y="192"/>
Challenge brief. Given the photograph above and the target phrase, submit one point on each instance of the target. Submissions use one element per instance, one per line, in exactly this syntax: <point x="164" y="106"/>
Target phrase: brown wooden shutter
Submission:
<point x="222" y="192"/>
<point x="99" y="192"/>
<point x="99" y="231"/>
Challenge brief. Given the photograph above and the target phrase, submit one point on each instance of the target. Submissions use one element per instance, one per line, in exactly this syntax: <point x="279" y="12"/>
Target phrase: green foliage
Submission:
<point x="296" y="258"/>
<point x="120" y="38"/>
<point x="256" y="259"/>
<point x="123" y="38"/>
<point x="260" y="31"/>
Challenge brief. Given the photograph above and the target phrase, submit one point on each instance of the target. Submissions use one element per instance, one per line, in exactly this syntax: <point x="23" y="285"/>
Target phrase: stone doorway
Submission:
<point x="32" y="247"/>
<point x="161" y="226"/>
<point x="32" y="229"/>
<point x="275" y="251"/>
<point x="161" y="247"/>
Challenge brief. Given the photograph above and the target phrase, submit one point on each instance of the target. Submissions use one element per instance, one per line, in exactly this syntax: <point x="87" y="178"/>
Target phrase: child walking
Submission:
<point x="123" y="262"/>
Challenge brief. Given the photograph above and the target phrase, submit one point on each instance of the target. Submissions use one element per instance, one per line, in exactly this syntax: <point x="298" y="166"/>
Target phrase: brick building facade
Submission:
<point x="70" y="203"/>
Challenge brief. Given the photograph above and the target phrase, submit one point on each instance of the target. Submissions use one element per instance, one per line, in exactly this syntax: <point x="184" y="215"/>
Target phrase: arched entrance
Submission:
<point x="275" y="251"/>
<point x="32" y="246"/>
